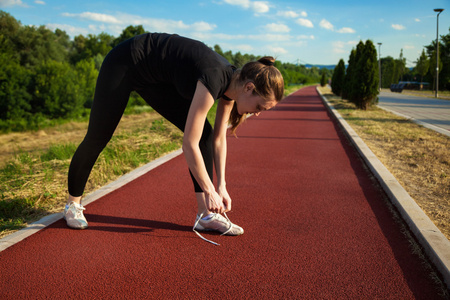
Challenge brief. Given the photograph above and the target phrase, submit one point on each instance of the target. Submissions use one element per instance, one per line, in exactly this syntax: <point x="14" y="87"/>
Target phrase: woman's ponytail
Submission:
<point x="268" y="82"/>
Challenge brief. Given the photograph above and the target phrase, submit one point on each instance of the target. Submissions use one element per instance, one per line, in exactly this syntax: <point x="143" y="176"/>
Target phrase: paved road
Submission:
<point x="316" y="227"/>
<point x="429" y="112"/>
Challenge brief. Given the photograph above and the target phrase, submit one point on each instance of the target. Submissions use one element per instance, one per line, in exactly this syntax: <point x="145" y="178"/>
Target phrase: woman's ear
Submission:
<point x="249" y="86"/>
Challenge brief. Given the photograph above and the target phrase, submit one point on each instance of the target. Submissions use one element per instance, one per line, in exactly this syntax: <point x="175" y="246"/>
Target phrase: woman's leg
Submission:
<point x="111" y="97"/>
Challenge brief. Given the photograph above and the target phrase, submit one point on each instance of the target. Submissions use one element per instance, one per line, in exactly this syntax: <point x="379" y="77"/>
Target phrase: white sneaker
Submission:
<point x="218" y="223"/>
<point x="73" y="214"/>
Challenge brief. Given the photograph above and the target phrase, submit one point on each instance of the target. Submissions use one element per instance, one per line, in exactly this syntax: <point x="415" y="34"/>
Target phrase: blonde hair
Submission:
<point x="268" y="82"/>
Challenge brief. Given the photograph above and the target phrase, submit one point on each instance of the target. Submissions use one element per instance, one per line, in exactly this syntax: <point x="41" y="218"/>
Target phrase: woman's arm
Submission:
<point x="201" y="103"/>
<point x="220" y="148"/>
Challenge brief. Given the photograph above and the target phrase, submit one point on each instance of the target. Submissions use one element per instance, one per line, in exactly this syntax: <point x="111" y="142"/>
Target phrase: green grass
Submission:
<point x="33" y="184"/>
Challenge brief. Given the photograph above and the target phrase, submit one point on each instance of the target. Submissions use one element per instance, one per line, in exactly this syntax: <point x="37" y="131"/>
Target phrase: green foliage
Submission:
<point x="338" y="79"/>
<point x="367" y="75"/>
<point x="87" y="73"/>
<point x="353" y="81"/>
<point x="14" y="80"/>
<point x="361" y="80"/>
<point x="323" y="79"/>
<point x="387" y="72"/>
<point x="56" y="90"/>
<point x="46" y="78"/>
<point x="90" y="46"/>
<point x="394" y="70"/>
<point x="347" y="87"/>
<point x="128" y="33"/>
<point x="422" y="65"/>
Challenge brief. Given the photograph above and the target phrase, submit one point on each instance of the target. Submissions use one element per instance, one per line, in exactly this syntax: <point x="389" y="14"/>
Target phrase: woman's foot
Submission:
<point x="216" y="222"/>
<point x="73" y="214"/>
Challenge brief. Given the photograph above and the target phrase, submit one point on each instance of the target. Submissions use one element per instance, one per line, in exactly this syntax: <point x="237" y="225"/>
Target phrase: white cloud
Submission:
<point x="291" y="14"/>
<point x="118" y="22"/>
<point x="398" y="27"/>
<point x="39" y="2"/>
<point x="244" y="48"/>
<point x="276" y="50"/>
<point x="70" y="30"/>
<point x="243" y="3"/>
<point x="269" y="37"/>
<point x="346" y="30"/>
<point x="6" y="3"/>
<point x="342" y="47"/>
<point x="277" y="27"/>
<point x="409" y="47"/>
<point x="325" y="24"/>
<point x="258" y="7"/>
<point x="417" y="19"/>
<point x="203" y="26"/>
<point x="287" y="14"/>
<point x="304" y="22"/>
<point x="305" y="37"/>
<point x="94" y="17"/>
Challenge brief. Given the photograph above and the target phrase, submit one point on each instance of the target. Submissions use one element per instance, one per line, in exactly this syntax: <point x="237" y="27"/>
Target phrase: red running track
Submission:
<point x="315" y="228"/>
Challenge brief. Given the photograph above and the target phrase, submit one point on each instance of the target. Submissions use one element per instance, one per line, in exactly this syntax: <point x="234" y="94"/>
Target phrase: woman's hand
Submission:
<point x="213" y="202"/>
<point x="226" y="199"/>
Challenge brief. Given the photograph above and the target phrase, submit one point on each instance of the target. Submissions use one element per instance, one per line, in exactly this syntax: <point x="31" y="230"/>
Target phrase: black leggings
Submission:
<point x="116" y="80"/>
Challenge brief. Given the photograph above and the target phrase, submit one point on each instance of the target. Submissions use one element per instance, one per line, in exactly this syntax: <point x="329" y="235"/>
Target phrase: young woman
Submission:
<point x="180" y="78"/>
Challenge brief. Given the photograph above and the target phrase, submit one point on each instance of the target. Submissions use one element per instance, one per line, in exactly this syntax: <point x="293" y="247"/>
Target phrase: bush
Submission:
<point x="337" y="81"/>
<point x="323" y="80"/>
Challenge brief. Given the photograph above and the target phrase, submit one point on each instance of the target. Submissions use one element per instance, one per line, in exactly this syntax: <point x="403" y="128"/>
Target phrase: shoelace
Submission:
<point x="206" y="240"/>
<point x="79" y="210"/>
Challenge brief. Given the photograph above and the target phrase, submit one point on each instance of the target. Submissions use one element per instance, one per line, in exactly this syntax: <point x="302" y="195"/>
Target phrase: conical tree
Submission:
<point x="347" y="80"/>
<point x="337" y="81"/>
<point x="323" y="79"/>
<point x="366" y="77"/>
<point x="354" y="81"/>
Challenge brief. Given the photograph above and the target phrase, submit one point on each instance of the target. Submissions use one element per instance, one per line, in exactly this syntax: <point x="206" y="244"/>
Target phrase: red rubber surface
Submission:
<point x="315" y="228"/>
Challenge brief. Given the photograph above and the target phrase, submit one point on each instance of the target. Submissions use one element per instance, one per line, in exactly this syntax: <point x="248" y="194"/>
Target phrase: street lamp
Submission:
<point x="438" y="10"/>
<point x="379" y="62"/>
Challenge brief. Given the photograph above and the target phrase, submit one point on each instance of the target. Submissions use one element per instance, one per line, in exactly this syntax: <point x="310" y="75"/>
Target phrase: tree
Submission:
<point x="90" y="46"/>
<point x="57" y="91"/>
<point x="444" y="58"/>
<point x="323" y="79"/>
<point x="387" y="71"/>
<point x="365" y="81"/>
<point x="422" y="65"/>
<point x="128" y="33"/>
<point x="86" y="74"/>
<point x="14" y="81"/>
<point x="348" y="75"/>
<point x="337" y="81"/>
<point x="353" y="74"/>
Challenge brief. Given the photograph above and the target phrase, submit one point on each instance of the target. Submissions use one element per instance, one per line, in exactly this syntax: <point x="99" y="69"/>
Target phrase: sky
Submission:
<point x="293" y="31"/>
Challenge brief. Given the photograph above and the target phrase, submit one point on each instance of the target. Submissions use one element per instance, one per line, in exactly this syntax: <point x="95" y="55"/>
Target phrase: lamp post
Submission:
<point x="438" y="10"/>
<point x="379" y="62"/>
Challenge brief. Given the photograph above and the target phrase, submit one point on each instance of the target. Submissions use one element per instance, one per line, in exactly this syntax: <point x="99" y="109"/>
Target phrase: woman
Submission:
<point x="180" y="78"/>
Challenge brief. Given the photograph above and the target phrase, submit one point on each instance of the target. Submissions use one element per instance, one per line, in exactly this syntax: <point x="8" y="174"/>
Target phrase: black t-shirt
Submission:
<point x="171" y="59"/>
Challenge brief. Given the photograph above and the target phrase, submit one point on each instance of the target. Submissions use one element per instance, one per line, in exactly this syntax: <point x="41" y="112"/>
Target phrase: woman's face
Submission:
<point x="250" y="103"/>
